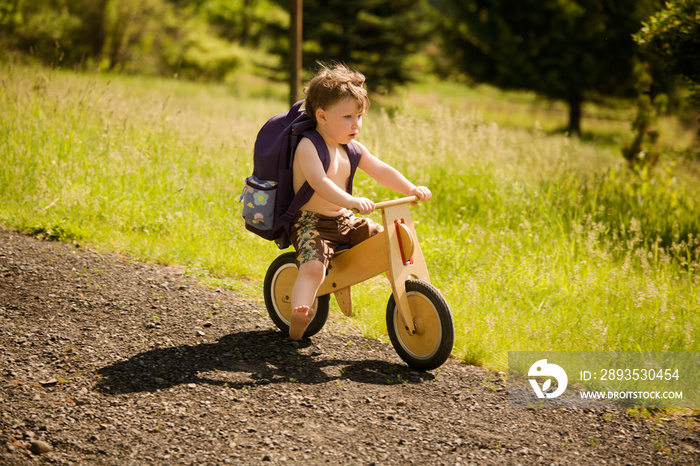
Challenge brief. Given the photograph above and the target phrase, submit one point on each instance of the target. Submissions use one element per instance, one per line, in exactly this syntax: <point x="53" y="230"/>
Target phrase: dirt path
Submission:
<point x="108" y="361"/>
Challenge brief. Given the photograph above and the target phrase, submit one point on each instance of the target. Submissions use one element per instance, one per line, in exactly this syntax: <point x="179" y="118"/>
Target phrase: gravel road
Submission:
<point x="105" y="360"/>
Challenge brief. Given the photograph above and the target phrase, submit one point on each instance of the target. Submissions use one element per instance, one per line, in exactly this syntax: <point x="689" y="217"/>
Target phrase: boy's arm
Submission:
<point x="389" y="176"/>
<point x="312" y="169"/>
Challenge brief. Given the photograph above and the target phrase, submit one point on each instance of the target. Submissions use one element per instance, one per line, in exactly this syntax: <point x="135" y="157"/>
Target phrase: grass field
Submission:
<point x="537" y="241"/>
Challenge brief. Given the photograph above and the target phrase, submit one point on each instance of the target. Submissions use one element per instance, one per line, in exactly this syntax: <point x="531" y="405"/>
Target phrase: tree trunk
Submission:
<point x="93" y="16"/>
<point x="575" y="107"/>
<point x="295" y="49"/>
<point x="245" y="22"/>
<point x="118" y="35"/>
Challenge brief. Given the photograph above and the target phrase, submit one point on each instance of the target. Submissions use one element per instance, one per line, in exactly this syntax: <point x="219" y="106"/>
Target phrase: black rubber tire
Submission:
<point x="430" y="347"/>
<point x="277" y="289"/>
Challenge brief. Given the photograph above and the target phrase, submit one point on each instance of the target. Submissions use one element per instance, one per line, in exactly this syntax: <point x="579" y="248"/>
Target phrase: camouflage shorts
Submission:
<point x="316" y="236"/>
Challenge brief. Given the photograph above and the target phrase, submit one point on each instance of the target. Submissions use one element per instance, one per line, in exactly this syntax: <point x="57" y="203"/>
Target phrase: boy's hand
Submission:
<point x="362" y="205"/>
<point x="422" y="192"/>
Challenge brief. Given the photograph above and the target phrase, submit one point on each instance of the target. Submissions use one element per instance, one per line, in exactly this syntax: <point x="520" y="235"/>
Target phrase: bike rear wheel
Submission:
<point x="431" y="344"/>
<point x="279" y="281"/>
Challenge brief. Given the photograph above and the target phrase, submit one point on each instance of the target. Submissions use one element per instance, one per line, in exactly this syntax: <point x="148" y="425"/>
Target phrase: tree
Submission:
<point x="672" y="38"/>
<point x="642" y="151"/>
<point x="65" y="31"/>
<point x="372" y="36"/>
<point x="242" y="21"/>
<point x="562" y="49"/>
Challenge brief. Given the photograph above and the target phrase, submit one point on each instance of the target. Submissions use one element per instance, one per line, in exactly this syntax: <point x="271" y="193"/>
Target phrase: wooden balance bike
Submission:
<point x="418" y="318"/>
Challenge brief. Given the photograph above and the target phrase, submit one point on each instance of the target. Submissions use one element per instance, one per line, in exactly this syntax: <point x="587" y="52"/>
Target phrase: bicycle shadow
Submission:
<point x="243" y="360"/>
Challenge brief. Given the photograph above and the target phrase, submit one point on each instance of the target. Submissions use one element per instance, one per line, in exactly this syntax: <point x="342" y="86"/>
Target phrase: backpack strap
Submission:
<point x="352" y="149"/>
<point x="306" y="191"/>
<point x="354" y="154"/>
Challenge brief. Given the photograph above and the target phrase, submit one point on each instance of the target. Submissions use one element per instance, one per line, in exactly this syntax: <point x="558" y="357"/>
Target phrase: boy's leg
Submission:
<point x="311" y="236"/>
<point x="311" y="275"/>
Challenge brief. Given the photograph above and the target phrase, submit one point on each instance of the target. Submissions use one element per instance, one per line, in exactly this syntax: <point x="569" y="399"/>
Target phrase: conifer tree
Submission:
<point x="562" y="49"/>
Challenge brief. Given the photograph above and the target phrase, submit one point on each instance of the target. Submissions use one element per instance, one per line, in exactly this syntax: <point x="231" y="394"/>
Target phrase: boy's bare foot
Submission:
<point x="300" y="320"/>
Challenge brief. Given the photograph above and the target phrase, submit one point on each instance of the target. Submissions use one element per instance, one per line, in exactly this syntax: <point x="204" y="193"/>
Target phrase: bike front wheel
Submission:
<point x="431" y="344"/>
<point x="279" y="281"/>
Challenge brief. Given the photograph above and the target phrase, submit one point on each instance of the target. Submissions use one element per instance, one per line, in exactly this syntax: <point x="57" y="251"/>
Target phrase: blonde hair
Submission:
<point x="333" y="84"/>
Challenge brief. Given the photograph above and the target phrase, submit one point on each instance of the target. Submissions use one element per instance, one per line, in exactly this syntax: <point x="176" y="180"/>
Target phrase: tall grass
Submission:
<point x="147" y="167"/>
<point x="538" y="242"/>
<point x="542" y="242"/>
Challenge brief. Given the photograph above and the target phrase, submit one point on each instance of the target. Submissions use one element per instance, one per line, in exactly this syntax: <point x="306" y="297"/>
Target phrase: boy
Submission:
<point x="336" y="99"/>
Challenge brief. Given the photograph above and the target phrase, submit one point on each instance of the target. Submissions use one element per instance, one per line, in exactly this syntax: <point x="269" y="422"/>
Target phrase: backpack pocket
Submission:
<point x="258" y="199"/>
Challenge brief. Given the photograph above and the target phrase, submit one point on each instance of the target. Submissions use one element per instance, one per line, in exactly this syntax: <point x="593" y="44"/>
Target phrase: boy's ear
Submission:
<point x="321" y="116"/>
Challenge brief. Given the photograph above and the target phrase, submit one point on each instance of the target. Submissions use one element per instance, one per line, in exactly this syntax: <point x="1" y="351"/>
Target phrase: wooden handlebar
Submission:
<point x="393" y="202"/>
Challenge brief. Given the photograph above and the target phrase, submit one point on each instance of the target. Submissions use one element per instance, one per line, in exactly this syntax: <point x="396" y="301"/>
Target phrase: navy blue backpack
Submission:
<point x="269" y="201"/>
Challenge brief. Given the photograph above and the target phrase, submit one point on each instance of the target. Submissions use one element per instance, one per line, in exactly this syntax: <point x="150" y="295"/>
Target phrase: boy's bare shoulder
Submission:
<point x="306" y="150"/>
<point x="306" y="154"/>
<point x="305" y="145"/>
<point x="363" y="149"/>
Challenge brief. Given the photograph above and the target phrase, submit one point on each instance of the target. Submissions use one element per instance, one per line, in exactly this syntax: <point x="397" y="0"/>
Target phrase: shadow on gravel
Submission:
<point x="243" y="360"/>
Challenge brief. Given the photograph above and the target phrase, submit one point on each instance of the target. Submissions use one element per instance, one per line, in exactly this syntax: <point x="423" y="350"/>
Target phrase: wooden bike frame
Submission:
<point x="395" y="251"/>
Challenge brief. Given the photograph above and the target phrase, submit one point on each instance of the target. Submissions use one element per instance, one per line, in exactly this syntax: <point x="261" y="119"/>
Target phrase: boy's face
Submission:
<point x="341" y="121"/>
